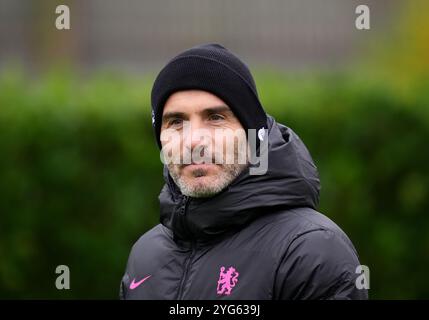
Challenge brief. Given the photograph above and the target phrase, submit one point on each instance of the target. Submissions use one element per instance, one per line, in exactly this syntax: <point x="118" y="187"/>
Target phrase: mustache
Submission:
<point x="198" y="155"/>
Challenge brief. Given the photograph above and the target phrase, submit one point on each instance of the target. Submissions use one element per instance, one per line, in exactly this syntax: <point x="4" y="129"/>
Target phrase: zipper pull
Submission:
<point x="183" y="205"/>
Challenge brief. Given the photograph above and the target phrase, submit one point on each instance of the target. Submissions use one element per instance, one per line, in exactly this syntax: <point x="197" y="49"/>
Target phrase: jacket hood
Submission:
<point x="291" y="180"/>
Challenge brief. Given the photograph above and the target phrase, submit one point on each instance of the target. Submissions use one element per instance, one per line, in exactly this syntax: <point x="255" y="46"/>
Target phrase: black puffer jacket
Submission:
<point x="260" y="238"/>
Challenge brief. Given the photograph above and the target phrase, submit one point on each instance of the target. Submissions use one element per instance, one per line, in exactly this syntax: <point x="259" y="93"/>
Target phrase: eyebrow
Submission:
<point x="210" y="110"/>
<point x="217" y="109"/>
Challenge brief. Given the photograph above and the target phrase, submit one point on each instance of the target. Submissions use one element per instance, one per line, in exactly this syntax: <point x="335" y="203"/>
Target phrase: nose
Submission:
<point x="194" y="133"/>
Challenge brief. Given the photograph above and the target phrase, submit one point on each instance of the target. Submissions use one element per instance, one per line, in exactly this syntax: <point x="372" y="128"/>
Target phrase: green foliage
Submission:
<point x="80" y="175"/>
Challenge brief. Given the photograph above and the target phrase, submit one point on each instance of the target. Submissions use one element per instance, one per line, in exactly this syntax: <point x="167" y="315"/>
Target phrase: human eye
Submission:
<point x="216" y="117"/>
<point x="175" y="122"/>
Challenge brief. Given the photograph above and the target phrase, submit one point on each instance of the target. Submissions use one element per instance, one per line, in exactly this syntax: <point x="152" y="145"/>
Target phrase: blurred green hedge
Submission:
<point x="80" y="174"/>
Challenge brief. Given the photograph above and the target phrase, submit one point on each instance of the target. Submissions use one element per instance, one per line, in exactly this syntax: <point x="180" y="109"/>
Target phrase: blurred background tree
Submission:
<point x="80" y="171"/>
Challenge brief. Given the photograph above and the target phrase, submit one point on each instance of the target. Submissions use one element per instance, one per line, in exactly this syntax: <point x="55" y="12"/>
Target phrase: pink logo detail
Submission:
<point x="134" y="284"/>
<point x="227" y="280"/>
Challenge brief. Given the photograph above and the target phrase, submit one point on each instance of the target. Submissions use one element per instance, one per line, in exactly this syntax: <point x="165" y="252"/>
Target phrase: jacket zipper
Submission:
<point x="189" y="257"/>
<point x="185" y="274"/>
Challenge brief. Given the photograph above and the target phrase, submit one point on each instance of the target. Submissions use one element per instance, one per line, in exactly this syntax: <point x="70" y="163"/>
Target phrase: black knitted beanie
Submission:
<point x="212" y="68"/>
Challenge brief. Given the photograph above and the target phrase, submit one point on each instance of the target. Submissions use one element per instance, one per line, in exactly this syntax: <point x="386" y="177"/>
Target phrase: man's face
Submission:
<point x="208" y="139"/>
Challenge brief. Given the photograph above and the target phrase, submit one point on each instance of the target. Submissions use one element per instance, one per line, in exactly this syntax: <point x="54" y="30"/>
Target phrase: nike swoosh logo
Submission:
<point x="134" y="284"/>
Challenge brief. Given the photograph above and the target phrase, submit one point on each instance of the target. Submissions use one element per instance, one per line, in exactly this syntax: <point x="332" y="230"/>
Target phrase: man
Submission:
<point x="228" y="232"/>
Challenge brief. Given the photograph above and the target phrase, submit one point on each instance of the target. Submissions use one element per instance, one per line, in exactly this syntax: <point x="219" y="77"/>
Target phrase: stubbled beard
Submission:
<point x="205" y="188"/>
<point x="209" y="188"/>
